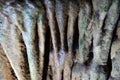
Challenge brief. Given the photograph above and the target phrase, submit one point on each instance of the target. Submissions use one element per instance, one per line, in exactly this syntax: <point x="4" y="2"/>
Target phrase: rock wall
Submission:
<point x="59" y="39"/>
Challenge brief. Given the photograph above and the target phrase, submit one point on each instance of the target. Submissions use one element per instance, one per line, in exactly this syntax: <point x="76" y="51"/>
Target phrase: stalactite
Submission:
<point x="60" y="39"/>
<point x="42" y="25"/>
<point x="61" y="16"/>
<point x="54" y="34"/>
<point x="72" y="17"/>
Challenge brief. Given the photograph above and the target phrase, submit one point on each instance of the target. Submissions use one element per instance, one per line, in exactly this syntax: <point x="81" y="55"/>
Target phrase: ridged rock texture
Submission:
<point x="59" y="39"/>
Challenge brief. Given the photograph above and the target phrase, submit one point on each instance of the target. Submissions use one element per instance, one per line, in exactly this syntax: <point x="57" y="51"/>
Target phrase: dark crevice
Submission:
<point x="75" y="43"/>
<point x="62" y="75"/>
<point x="110" y="3"/>
<point x="50" y="74"/>
<point x="57" y="21"/>
<point x="57" y="34"/>
<point x="47" y="73"/>
<point x="103" y="25"/>
<point x="50" y="45"/>
<point x="36" y="42"/>
<point x="109" y="64"/>
<point x="66" y="28"/>
<point x="114" y="34"/>
<point x="71" y="71"/>
<point x="114" y="37"/>
<point x="56" y="29"/>
<point x="46" y="55"/>
<point x="76" y="37"/>
<point x="91" y="50"/>
<point x="90" y="55"/>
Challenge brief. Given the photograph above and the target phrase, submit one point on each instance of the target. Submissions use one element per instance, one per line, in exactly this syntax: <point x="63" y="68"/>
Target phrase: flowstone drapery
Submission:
<point x="59" y="39"/>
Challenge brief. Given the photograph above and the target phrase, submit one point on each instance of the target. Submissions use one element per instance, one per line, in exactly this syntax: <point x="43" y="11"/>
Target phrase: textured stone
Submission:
<point x="60" y="39"/>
